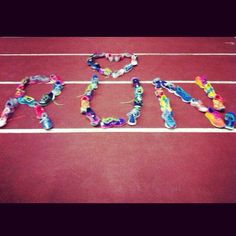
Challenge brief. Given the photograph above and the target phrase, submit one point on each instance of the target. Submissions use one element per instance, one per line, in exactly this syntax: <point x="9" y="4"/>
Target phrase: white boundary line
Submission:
<point x="129" y="82"/>
<point x="138" y="54"/>
<point x="115" y="130"/>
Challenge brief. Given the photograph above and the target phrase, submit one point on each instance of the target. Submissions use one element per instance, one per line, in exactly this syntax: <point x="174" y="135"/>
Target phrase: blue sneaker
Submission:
<point x="110" y="122"/>
<point x="135" y="82"/>
<point x="169" y="86"/>
<point x="230" y="120"/>
<point x="46" y="99"/>
<point x="157" y="83"/>
<point x="93" y="118"/>
<point x="27" y="100"/>
<point x="182" y="94"/>
<point x="167" y="116"/>
<point x="94" y="82"/>
<point x="46" y="121"/>
<point x="133" y="115"/>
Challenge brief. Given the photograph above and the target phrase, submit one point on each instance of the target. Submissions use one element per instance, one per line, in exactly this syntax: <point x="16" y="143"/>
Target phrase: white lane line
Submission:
<point x="138" y="54"/>
<point x="115" y="130"/>
<point x="129" y="82"/>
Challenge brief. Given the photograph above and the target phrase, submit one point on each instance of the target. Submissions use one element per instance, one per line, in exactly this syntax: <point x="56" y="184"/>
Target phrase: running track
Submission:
<point x="146" y="163"/>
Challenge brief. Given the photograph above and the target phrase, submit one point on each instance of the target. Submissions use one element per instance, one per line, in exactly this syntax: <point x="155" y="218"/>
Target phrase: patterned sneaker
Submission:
<point x="167" y="116"/>
<point x="57" y="87"/>
<point x="135" y="82"/>
<point x="39" y="111"/>
<point x="27" y="100"/>
<point x="230" y="120"/>
<point x="46" y="99"/>
<point x="46" y="121"/>
<point x="84" y="104"/>
<point x="182" y="94"/>
<point x="159" y="92"/>
<point x="93" y="118"/>
<point x="169" y="86"/>
<point x="209" y="90"/>
<point x="110" y="122"/>
<point x="157" y="83"/>
<point x="165" y="104"/>
<point x="133" y="115"/>
<point x="201" y="81"/>
<point x="214" y="117"/>
<point x="198" y="104"/>
<point x="218" y="103"/>
<point x="9" y="109"/>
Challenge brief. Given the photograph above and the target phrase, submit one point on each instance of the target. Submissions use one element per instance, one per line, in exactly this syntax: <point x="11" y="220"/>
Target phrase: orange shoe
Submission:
<point x="215" y="119"/>
<point x="218" y="103"/>
<point x="84" y="104"/>
<point x="201" y="81"/>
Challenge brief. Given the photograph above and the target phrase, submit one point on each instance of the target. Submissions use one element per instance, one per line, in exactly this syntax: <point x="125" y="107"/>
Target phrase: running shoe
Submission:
<point x="39" y="78"/>
<point x="167" y="116"/>
<point x="84" y="104"/>
<point x="57" y="87"/>
<point x="133" y="115"/>
<point x="157" y="83"/>
<point x="27" y="100"/>
<point x="117" y="73"/>
<point x="110" y="122"/>
<point x="230" y="120"/>
<point x="218" y="103"/>
<point x="9" y="109"/>
<point x="201" y="81"/>
<point x="39" y="111"/>
<point x="182" y="94"/>
<point x="209" y="90"/>
<point x="169" y="86"/>
<point x="165" y="103"/>
<point x="135" y="82"/>
<point x="107" y="71"/>
<point x="128" y="67"/>
<point x="159" y="92"/>
<point x="46" y="99"/>
<point x="214" y="117"/>
<point x="46" y="121"/>
<point x="198" y="104"/>
<point x="93" y="118"/>
<point x="94" y="82"/>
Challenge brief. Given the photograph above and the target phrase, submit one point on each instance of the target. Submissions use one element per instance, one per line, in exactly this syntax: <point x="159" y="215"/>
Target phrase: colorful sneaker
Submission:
<point x="94" y="82"/>
<point x="230" y="120"/>
<point x="133" y="115"/>
<point x="135" y="82"/>
<point x="39" y="111"/>
<point x="46" y="99"/>
<point x="214" y="117"/>
<point x="128" y="67"/>
<point x="107" y="71"/>
<point x="159" y="92"/>
<point x="198" y="104"/>
<point x="93" y="118"/>
<point x="182" y="94"/>
<point x="46" y="121"/>
<point x="165" y="104"/>
<point x="110" y="122"/>
<point x="218" y="103"/>
<point x="157" y="83"/>
<point x="117" y="73"/>
<point x="39" y="78"/>
<point x="209" y="90"/>
<point x="57" y="87"/>
<point x="27" y="100"/>
<point x="201" y="81"/>
<point x="167" y="116"/>
<point x="84" y="104"/>
<point x="169" y="86"/>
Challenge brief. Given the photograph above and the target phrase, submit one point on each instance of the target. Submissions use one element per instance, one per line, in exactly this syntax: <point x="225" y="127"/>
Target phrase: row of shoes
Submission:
<point x="167" y="112"/>
<point x="86" y="109"/>
<point x="211" y="113"/>
<point x="135" y="113"/>
<point x="107" y="71"/>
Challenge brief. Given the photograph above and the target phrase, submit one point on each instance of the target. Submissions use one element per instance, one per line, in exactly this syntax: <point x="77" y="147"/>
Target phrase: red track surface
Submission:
<point x="117" y="167"/>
